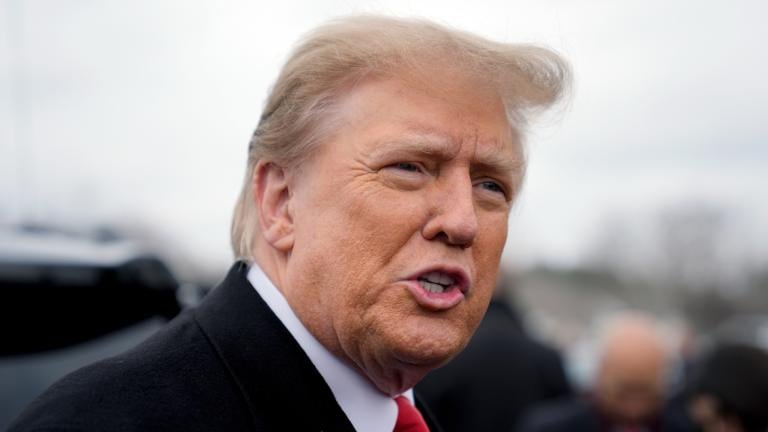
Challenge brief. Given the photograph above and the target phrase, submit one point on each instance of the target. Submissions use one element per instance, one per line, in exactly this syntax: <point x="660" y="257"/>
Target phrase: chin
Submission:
<point x="406" y="365"/>
<point x="428" y="345"/>
<point x="399" y="370"/>
<point x="397" y="352"/>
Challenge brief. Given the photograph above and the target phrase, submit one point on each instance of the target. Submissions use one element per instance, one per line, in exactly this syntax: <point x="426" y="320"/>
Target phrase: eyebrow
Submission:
<point x="428" y="144"/>
<point x="500" y="162"/>
<point x="431" y="142"/>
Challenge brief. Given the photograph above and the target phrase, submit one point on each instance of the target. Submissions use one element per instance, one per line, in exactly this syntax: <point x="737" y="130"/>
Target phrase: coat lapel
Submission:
<point x="281" y="386"/>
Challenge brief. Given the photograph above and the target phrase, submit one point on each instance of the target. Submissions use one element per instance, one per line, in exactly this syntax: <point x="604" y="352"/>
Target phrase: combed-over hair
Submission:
<point x="298" y="111"/>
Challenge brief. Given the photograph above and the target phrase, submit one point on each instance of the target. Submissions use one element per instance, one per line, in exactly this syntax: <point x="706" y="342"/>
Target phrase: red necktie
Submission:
<point x="409" y="419"/>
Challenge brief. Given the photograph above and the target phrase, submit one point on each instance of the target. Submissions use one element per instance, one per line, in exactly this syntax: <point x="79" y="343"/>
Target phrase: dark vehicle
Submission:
<point x="67" y="300"/>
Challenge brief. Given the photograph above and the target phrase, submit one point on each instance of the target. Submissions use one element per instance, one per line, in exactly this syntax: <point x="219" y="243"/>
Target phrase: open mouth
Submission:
<point x="442" y="280"/>
<point x="436" y="281"/>
<point x="439" y="288"/>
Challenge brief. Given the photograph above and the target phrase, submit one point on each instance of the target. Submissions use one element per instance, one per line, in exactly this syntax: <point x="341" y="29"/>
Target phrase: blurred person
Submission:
<point x="502" y="372"/>
<point x="729" y="390"/>
<point x="627" y="392"/>
<point x="368" y="234"/>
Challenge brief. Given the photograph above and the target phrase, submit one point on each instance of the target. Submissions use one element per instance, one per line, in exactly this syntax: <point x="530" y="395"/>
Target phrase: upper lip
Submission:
<point x="458" y="274"/>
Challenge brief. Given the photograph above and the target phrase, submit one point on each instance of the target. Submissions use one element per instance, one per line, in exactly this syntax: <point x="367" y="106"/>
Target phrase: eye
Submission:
<point x="492" y="186"/>
<point x="404" y="175"/>
<point x="407" y="166"/>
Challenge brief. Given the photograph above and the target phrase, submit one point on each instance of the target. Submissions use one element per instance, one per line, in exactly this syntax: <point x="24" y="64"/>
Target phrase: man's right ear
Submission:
<point x="272" y="195"/>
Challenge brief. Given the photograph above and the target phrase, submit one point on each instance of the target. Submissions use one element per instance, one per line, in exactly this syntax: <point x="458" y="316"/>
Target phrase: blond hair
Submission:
<point x="297" y="113"/>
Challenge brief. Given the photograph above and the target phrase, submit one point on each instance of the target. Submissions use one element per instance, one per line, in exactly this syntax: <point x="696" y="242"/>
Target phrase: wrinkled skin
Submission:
<point x="414" y="176"/>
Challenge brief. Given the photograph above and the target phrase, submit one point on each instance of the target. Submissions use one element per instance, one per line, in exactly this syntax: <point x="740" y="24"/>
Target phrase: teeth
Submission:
<point x="431" y="287"/>
<point x="438" y="278"/>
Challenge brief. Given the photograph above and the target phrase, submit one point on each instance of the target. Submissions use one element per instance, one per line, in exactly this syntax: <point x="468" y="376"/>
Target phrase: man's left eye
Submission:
<point x="493" y="187"/>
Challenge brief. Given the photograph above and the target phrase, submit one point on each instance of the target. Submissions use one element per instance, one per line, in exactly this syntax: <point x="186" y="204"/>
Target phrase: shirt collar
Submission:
<point x="364" y="405"/>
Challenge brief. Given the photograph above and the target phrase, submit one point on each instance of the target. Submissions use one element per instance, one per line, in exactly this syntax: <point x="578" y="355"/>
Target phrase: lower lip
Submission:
<point x="433" y="300"/>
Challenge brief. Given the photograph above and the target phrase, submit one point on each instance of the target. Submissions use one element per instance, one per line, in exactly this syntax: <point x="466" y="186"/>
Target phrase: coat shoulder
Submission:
<point x="172" y="381"/>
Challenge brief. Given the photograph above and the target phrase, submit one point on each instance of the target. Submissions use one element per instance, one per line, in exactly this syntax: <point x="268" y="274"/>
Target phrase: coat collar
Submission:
<point x="278" y="382"/>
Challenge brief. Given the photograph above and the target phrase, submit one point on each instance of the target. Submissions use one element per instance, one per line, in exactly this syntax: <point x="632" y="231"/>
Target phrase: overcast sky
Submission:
<point x="140" y="112"/>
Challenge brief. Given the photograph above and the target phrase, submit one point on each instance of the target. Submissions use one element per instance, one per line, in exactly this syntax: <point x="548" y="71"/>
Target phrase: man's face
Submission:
<point x="630" y="385"/>
<point x="399" y="222"/>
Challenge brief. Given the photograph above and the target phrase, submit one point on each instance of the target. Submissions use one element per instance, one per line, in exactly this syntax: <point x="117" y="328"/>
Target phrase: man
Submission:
<point x="501" y="373"/>
<point x="628" y="391"/>
<point x="369" y="230"/>
<point x="729" y="390"/>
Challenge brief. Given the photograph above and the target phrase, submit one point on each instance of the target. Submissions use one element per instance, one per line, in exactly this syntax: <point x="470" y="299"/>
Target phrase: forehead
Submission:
<point x="446" y="116"/>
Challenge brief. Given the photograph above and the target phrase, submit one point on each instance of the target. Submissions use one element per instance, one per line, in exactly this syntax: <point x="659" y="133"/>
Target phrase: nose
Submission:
<point x="453" y="219"/>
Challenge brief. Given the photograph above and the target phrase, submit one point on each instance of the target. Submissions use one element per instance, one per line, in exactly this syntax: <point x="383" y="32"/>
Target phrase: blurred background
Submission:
<point x="124" y="128"/>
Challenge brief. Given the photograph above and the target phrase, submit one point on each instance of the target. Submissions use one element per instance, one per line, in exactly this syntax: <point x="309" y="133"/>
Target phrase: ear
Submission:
<point x="272" y="195"/>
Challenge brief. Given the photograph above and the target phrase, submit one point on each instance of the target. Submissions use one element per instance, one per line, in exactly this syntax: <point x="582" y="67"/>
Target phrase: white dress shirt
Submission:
<point x="367" y="408"/>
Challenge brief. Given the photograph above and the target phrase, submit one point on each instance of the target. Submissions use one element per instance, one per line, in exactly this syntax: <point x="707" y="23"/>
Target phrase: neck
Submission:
<point x="273" y="264"/>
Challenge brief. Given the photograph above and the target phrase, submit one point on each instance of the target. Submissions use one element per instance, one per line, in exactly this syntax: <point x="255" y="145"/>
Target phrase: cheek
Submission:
<point x="487" y="250"/>
<point x="372" y="227"/>
<point x="356" y="232"/>
<point x="375" y="234"/>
